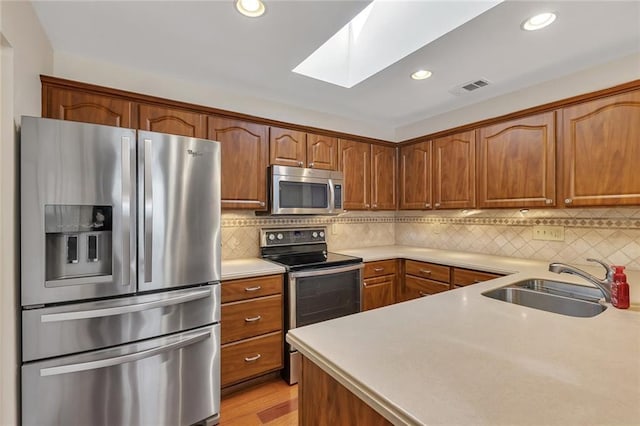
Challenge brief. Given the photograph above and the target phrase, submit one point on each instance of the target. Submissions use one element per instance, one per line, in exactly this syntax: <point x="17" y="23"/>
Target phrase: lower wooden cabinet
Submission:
<point x="464" y="277"/>
<point x="379" y="285"/>
<point x="251" y="328"/>
<point x="250" y="358"/>
<point x="415" y="287"/>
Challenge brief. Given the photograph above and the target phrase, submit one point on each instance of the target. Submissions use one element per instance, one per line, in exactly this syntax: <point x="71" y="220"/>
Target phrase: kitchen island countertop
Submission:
<point x="459" y="357"/>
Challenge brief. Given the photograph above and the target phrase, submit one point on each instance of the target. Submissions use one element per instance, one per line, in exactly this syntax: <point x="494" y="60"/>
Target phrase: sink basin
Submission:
<point x="551" y="296"/>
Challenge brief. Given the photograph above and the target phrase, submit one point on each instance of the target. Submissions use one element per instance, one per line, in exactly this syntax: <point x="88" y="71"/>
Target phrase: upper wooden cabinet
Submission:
<point x="354" y="160"/>
<point x="516" y="163"/>
<point x="287" y="147"/>
<point x="322" y="152"/>
<point x="245" y="153"/>
<point x="369" y="175"/>
<point x="454" y="171"/>
<point x="300" y="149"/>
<point x="384" y="182"/>
<point x="87" y="107"/>
<point x="172" y="120"/>
<point x="415" y="176"/>
<point x="601" y="151"/>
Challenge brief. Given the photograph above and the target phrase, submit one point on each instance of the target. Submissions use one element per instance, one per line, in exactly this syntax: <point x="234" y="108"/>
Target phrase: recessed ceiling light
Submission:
<point x="539" y="21"/>
<point x="250" y="8"/>
<point x="421" y="75"/>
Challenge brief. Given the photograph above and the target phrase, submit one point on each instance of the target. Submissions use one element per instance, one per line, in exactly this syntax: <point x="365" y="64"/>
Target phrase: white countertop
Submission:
<point x="246" y="268"/>
<point x="462" y="358"/>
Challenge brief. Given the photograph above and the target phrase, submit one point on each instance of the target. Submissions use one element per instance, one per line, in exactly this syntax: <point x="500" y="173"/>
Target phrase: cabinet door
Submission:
<point x="601" y="151"/>
<point x="244" y="151"/>
<point x="378" y="292"/>
<point x="322" y="152"/>
<point x="383" y="178"/>
<point x="516" y="163"/>
<point x="87" y="107"/>
<point x="354" y="160"/>
<point x="172" y="121"/>
<point x="454" y="171"/>
<point x="287" y="147"/>
<point x="415" y="176"/>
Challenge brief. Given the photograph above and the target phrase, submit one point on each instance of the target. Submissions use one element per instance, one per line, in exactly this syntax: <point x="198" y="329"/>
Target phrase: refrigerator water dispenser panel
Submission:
<point x="78" y="242"/>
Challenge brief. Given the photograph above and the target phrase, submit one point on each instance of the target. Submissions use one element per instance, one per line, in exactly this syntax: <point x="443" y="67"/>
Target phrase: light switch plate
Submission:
<point x="548" y="233"/>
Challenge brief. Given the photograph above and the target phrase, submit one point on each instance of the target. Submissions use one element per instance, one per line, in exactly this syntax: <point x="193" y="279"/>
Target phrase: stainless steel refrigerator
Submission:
<point x="120" y="271"/>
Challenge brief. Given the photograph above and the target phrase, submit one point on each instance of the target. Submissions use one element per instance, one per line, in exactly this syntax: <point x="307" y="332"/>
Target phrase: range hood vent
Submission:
<point x="469" y="86"/>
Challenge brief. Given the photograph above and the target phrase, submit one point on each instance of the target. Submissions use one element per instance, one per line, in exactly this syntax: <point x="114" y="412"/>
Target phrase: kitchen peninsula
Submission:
<point x="462" y="358"/>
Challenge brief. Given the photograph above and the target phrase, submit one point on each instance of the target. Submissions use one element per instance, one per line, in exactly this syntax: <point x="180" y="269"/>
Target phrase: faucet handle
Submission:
<point x="609" y="269"/>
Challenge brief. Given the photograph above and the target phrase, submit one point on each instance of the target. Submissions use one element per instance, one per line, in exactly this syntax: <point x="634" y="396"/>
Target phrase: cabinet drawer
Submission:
<point x="431" y="271"/>
<point x="251" y="318"/>
<point x="417" y="287"/>
<point x="380" y="268"/>
<point x="248" y="358"/>
<point x="251" y="287"/>
<point x="463" y="277"/>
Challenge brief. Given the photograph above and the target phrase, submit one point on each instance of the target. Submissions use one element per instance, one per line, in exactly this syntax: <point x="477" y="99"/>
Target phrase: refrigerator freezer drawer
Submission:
<point x="172" y="380"/>
<point x="62" y="330"/>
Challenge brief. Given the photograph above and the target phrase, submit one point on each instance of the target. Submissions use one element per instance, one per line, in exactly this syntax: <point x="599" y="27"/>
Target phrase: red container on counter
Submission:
<point x="620" y="289"/>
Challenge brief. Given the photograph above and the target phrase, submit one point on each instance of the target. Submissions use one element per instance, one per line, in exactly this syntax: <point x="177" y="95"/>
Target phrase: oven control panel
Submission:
<point x="292" y="236"/>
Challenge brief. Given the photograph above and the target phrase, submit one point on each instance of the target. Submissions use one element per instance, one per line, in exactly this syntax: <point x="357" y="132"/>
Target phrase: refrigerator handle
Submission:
<point x="126" y="211"/>
<point x="127" y="309"/>
<point x="148" y="212"/>
<point x="122" y="359"/>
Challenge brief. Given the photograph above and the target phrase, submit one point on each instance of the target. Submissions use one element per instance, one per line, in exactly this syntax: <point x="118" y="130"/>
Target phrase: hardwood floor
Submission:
<point x="272" y="403"/>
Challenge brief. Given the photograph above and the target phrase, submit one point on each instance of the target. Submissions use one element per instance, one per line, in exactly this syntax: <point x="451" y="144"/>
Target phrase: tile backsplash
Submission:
<point x="605" y="233"/>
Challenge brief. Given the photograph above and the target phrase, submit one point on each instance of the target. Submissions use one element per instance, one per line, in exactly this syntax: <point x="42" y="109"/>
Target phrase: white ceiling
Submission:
<point x="210" y="43"/>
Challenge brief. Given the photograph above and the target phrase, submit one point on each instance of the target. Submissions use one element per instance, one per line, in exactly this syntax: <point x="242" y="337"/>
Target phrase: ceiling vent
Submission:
<point x="469" y="86"/>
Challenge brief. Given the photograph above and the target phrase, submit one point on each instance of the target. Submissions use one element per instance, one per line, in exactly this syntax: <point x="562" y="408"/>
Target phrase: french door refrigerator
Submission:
<point x="120" y="276"/>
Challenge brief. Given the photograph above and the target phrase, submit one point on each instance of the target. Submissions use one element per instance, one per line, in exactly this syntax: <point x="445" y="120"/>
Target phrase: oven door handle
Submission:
<point x="325" y="271"/>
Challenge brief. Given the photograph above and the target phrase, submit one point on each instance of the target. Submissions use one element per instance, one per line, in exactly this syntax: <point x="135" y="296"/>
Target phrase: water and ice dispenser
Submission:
<point x="78" y="242"/>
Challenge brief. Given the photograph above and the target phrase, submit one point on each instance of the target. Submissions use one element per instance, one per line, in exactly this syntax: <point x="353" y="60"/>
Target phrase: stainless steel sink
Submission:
<point x="551" y="296"/>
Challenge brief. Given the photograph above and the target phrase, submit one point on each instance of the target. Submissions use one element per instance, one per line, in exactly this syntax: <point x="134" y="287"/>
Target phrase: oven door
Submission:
<point x="323" y="294"/>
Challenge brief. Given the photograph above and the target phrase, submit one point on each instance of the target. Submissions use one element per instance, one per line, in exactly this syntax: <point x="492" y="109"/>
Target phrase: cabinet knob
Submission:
<point x="427" y="205"/>
<point x="367" y="205"/>
<point x="311" y="165"/>
<point x="548" y="201"/>
<point x="423" y="294"/>
<point x="375" y="206"/>
<point x="568" y="200"/>
<point x="300" y="164"/>
<point x="437" y="204"/>
<point x="262" y="204"/>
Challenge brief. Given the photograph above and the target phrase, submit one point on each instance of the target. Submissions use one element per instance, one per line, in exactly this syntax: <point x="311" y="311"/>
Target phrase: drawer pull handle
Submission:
<point x="378" y="269"/>
<point x="252" y="358"/>
<point x="254" y="319"/>
<point x="423" y="294"/>
<point x="476" y="281"/>
<point x="425" y="271"/>
<point x="252" y="289"/>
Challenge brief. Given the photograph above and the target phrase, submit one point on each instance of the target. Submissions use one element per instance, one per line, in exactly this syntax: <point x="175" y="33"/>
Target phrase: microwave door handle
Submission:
<point x="332" y="196"/>
<point x="325" y="271"/>
<point x="122" y="359"/>
<point x="127" y="309"/>
<point x="148" y="212"/>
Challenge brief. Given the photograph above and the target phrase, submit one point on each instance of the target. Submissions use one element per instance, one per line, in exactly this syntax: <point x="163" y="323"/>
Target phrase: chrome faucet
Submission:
<point x="604" y="285"/>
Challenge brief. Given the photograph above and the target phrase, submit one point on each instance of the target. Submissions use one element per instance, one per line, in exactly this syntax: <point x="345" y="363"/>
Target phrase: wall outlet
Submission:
<point x="334" y="229"/>
<point x="548" y="233"/>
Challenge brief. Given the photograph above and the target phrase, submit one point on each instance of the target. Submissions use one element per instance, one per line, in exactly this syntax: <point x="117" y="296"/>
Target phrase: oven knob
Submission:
<point x="280" y="236"/>
<point x="272" y="237"/>
<point x="314" y="235"/>
<point x="321" y="234"/>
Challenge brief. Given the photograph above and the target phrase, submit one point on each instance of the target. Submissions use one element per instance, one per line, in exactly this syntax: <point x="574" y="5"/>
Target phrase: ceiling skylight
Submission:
<point x="382" y="34"/>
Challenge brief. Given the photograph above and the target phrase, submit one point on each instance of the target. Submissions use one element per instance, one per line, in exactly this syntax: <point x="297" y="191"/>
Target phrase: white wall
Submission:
<point x="79" y="68"/>
<point x="589" y="80"/>
<point x="26" y="53"/>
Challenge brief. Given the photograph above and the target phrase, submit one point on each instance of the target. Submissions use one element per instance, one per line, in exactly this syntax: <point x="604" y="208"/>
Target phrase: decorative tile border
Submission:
<point x="574" y="222"/>
<point x="301" y="221"/>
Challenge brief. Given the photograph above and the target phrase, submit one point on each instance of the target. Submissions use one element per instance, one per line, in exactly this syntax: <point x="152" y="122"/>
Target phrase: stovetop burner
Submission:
<point x="301" y="248"/>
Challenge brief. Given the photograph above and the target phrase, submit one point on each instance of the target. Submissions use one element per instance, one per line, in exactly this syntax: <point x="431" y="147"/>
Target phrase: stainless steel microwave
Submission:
<point x="296" y="190"/>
